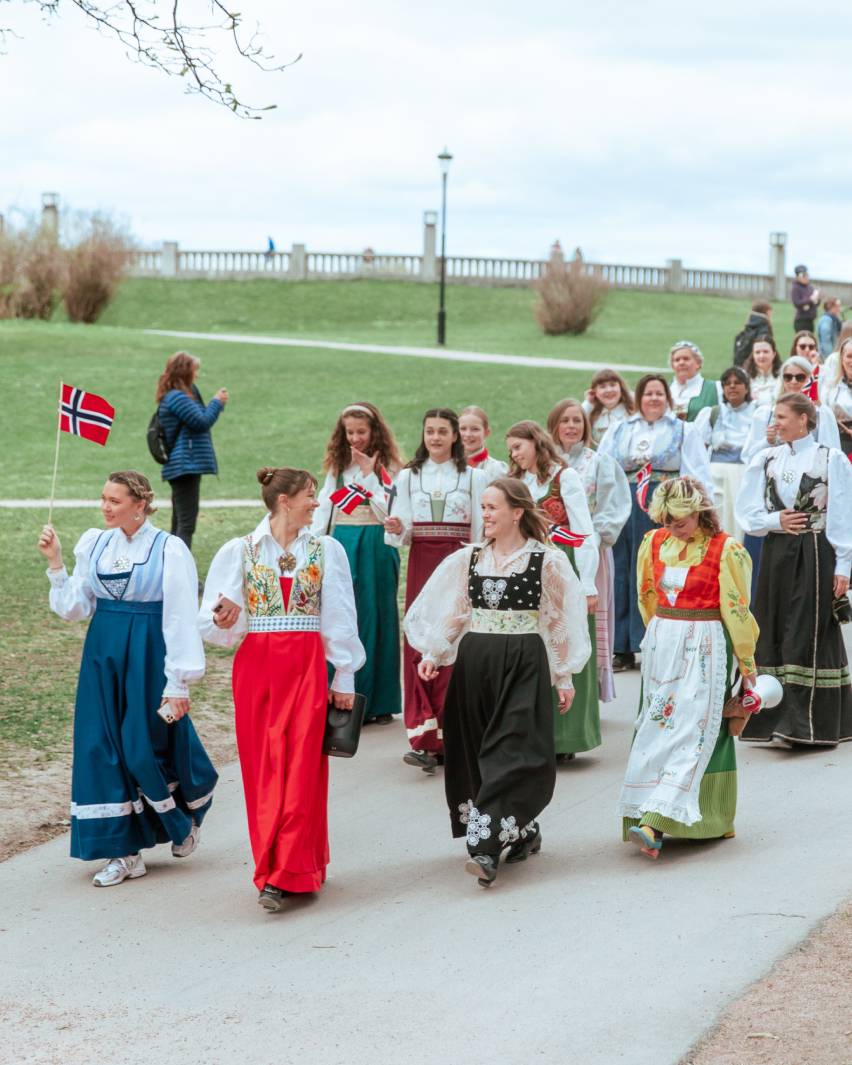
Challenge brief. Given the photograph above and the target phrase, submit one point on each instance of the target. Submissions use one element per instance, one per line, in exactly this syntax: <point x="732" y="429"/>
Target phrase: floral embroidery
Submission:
<point x="737" y="605"/>
<point x="477" y="823"/>
<point x="739" y="552"/>
<point x="263" y="588"/>
<point x="700" y="746"/>
<point x="527" y="829"/>
<point x="662" y="710"/>
<point x="747" y="664"/>
<point x="646" y="589"/>
<point x="819" y="495"/>
<point x="492" y="592"/>
<point x="510" y="830"/>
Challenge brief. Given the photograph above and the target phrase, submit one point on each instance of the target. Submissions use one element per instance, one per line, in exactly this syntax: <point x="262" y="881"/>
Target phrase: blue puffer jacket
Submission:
<point x="187" y="425"/>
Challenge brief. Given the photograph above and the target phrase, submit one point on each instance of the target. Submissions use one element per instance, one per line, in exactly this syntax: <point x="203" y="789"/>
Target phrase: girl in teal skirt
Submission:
<point x="362" y="451"/>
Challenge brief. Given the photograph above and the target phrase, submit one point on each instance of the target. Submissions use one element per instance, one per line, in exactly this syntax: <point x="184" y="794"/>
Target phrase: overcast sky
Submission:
<point x="640" y="131"/>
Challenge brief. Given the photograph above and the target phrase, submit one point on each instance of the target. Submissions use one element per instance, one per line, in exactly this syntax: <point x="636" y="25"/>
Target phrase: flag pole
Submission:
<point x="56" y="458"/>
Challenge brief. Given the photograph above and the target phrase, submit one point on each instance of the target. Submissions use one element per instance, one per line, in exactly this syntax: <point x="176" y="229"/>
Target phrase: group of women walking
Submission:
<point x="614" y="530"/>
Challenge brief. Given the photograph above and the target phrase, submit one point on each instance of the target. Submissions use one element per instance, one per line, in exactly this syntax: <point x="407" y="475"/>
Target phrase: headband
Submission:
<point x="358" y="407"/>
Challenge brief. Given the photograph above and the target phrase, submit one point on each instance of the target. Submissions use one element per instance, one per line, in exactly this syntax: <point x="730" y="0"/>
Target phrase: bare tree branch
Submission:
<point x="178" y="47"/>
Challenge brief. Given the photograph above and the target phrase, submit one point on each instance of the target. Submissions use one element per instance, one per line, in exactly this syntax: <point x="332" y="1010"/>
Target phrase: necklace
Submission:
<point x="287" y="563"/>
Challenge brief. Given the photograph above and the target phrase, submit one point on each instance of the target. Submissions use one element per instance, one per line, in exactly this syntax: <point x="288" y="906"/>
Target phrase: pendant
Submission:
<point x="121" y="564"/>
<point x="788" y="476"/>
<point x="643" y="444"/>
<point x="437" y="494"/>
<point x="287" y="563"/>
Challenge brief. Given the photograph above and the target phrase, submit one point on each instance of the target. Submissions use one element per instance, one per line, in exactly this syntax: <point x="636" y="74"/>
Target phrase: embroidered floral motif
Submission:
<point x="737" y="605"/>
<point x="510" y="830"/>
<point x="527" y="829"/>
<point x="702" y="724"/>
<point x="739" y="552"/>
<point x="662" y="710"/>
<point x="477" y="823"/>
<point x="263" y="588"/>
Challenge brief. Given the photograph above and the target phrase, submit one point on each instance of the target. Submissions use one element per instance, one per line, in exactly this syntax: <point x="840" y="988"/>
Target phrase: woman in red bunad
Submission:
<point x="292" y="593"/>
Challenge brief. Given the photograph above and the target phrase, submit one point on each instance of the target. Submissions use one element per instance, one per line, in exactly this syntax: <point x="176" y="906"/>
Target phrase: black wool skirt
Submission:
<point x="801" y="644"/>
<point x="499" y="758"/>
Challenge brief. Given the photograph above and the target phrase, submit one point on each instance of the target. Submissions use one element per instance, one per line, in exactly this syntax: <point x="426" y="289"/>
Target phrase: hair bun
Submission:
<point x="265" y="475"/>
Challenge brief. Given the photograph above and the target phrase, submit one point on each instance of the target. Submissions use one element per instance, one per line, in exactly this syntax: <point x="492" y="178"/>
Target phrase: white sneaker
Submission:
<point x="118" y="869"/>
<point x="189" y="844"/>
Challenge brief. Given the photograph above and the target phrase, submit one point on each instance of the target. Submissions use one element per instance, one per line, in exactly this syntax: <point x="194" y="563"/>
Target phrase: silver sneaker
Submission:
<point x="118" y="869"/>
<point x="189" y="844"/>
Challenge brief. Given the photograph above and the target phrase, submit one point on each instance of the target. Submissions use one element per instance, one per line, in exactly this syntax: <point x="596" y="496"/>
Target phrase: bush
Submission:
<point x="32" y="272"/>
<point x="97" y="264"/>
<point x="569" y="299"/>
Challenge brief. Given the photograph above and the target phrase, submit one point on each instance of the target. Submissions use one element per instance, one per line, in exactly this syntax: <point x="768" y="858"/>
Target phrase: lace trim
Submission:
<point x="106" y="809"/>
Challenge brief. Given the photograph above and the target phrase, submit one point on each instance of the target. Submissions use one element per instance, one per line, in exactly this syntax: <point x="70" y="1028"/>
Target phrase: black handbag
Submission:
<point x="841" y="609"/>
<point x="343" y="729"/>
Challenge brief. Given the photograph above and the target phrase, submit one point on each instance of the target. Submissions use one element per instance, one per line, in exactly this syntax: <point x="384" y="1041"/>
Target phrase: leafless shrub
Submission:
<point x="569" y="299"/>
<point x="11" y="275"/>
<point x="44" y="271"/>
<point x="97" y="264"/>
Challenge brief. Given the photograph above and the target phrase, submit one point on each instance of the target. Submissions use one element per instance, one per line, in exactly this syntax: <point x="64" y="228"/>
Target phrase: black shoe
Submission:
<point x="423" y="759"/>
<point x="382" y="719"/>
<point x="483" y="867"/>
<point x="522" y="848"/>
<point x="272" y="898"/>
<point x="624" y="661"/>
<point x="561" y="759"/>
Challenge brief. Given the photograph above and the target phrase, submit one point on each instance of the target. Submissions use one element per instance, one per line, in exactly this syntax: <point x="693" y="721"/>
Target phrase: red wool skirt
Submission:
<point x="424" y="702"/>
<point x="280" y="692"/>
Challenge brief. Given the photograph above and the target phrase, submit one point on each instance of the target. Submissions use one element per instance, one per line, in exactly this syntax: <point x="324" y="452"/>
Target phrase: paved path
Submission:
<point x="422" y="353"/>
<point x="403" y="957"/>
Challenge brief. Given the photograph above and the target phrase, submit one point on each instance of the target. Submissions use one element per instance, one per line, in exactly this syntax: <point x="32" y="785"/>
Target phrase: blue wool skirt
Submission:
<point x="136" y="781"/>
<point x="629" y="626"/>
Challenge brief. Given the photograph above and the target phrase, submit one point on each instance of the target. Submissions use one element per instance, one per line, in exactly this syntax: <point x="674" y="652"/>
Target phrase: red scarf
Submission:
<point x="478" y="459"/>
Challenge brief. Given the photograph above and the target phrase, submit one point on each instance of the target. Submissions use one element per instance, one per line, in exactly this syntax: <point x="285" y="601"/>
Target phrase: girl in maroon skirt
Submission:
<point x="438" y="508"/>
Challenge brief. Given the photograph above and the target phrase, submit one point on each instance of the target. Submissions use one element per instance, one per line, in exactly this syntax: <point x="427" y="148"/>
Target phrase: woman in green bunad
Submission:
<point x="694" y="584"/>
<point x="559" y="492"/>
<point x="362" y="451"/>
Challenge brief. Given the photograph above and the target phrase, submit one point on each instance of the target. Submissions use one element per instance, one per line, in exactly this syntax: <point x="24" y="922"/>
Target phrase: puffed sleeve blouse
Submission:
<point x="440" y="615"/>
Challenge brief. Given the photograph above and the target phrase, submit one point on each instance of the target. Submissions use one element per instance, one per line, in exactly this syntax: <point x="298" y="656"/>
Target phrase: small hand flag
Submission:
<point x="84" y="414"/>
<point x="642" y="482"/>
<point x="390" y="489"/>
<point x="561" y="534"/>
<point x="349" y="497"/>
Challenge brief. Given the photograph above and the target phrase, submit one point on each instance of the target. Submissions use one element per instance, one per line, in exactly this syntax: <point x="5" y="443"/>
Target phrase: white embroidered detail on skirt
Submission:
<point x="161" y="806"/>
<point x="477" y="823"/>
<point x="525" y="831"/>
<point x="510" y="830"/>
<point x="197" y="803"/>
<point x="106" y="809"/>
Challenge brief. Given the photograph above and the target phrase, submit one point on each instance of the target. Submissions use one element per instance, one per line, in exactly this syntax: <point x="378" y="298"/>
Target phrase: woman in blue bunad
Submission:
<point x="141" y="775"/>
<point x="653" y="436"/>
<point x="362" y="450"/>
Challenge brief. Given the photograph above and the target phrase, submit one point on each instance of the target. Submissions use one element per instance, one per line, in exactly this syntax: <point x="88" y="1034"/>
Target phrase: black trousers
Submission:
<point x="186" y="491"/>
<point x="804" y="323"/>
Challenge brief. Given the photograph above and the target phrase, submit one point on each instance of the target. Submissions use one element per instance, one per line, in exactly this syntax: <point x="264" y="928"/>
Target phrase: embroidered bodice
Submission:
<point x="812" y="496"/>
<point x="140" y="581"/>
<point x="516" y="596"/>
<point x="264" y="596"/>
<point x="435" y="497"/>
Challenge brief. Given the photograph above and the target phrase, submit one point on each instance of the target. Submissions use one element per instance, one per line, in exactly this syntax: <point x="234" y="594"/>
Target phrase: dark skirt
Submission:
<point x="629" y="627"/>
<point x="499" y="759"/>
<point x="801" y="644"/>
<point x="754" y="546"/>
<point x="136" y="781"/>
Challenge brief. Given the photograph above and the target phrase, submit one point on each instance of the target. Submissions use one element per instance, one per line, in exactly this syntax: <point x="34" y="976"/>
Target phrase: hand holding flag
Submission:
<point x="390" y="489"/>
<point x="561" y="534"/>
<point x="81" y="414"/>
<point x="349" y="497"/>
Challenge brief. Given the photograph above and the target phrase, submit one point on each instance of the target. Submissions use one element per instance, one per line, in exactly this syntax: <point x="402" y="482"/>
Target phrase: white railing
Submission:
<point x="325" y="264"/>
<point x="233" y="263"/>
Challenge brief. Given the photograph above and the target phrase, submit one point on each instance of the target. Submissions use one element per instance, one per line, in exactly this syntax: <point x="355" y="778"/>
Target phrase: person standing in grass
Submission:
<point x="362" y="450"/>
<point x="437" y="509"/>
<point x="141" y="775"/>
<point x="559" y="492"/>
<point x="608" y="496"/>
<point x="474" y="431"/>
<point x="187" y="424"/>
<point x="608" y="402"/>
<point x="689" y="390"/>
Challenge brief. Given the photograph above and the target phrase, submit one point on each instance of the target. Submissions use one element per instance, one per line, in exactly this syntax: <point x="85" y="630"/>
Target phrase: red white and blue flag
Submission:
<point x="85" y="414"/>
<point x="390" y="489"/>
<point x="349" y="497"/>
<point x="561" y="534"/>
<point x="811" y="389"/>
<point x="642" y="482"/>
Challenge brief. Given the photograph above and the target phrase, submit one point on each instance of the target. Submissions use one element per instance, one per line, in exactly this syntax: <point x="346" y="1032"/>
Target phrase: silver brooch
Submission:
<point x="121" y="564"/>
<point x="643" y="444"/>
<point x="788" y="476"/>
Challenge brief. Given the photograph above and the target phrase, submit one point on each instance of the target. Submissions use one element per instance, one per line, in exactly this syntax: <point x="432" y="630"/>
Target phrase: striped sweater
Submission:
<point x="187" y="424"/>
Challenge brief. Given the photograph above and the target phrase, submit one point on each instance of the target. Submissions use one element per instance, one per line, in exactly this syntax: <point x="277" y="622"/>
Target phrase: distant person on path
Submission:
<point x="362" y="450"/>
<point x="475" y="430"/>
<point x="187" y="423"/>
<point x="291" y="592"/>
<point x="139" y="778"/>
<point x="763" y="367"/>
<point x="805" y="298"/>
<point x="828" y="327"/>
<point x="608" y="401"/>
<point x="759" y="324"/>
<point x="689" y="390"/>
<point x="693" y="587"/>
<point x="511" y="614"/>
<point x="798" y="496"/>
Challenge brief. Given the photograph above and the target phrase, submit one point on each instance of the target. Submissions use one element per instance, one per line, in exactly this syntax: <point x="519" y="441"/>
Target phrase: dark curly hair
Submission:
<point x="457" y="454"/>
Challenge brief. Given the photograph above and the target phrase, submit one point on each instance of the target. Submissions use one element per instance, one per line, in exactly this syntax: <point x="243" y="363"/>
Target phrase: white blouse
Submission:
<point x="606" y="418"/>
<point x="338" y="619"/>
<point x="353" y="475"/>
<point x="607" y="491"/>
<point x="731" y="428"/>
<point x="440" y="615"/>
<point x="579" y="519"/>
<point x="826" y="431"/>
<point x="493" y="468"/>
<point x="462" y="493"/>
<point x="73" y="598"/>
<point x="682" y="394"/>
<point x="765" y="389"/>
<point x="637" y="442"/>
<point x="838" y="396"/>
<point x="798" y="458"/>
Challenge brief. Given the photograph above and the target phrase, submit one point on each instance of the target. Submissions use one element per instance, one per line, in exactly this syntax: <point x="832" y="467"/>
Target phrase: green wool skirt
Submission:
<point x="375" y="579"/>
<point x="580" y="729"/>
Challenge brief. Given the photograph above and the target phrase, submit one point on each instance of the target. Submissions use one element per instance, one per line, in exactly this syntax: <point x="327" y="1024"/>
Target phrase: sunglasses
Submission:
<point x="806" y="347"/>
<point x="794" y="377"/>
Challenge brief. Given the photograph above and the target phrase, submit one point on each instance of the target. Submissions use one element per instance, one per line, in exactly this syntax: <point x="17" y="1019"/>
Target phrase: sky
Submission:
<point x="638" y="131"/>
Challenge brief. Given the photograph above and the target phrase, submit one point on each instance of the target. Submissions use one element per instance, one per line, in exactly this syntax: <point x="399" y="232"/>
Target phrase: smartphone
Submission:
<point x="218" y="608"/>
<point x="166" y="714"/>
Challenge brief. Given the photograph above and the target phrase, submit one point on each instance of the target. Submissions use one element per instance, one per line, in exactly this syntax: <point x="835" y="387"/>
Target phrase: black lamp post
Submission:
<point x="445" y="159"/>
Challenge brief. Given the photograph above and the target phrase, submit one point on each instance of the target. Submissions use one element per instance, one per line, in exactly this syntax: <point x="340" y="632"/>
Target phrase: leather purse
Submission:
<point x="343" y="729"/>
<point x="841" y="609"/>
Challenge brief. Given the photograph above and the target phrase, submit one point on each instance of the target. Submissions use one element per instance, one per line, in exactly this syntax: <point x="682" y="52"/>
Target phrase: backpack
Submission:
<point x="743" y="341"/>
<point x="158" y="445"/>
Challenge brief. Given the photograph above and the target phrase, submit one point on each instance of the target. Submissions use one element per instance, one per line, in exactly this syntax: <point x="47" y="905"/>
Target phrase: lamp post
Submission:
<point x="445" y="158"/>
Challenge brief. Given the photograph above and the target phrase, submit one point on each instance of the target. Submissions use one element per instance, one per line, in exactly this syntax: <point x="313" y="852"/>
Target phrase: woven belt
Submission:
<point x="440" y="531"/>
<point x="688" y="615"/>
<point x="360" y="516"/>
<point x="504" y="622"/>
<point x="285" y="623"/>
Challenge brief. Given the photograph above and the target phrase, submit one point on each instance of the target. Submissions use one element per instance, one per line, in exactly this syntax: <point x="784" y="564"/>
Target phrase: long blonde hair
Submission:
<point x="837" y="376"/>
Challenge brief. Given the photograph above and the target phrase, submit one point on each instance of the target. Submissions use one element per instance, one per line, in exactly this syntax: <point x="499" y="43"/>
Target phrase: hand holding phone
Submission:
<point x="225" y="613"/>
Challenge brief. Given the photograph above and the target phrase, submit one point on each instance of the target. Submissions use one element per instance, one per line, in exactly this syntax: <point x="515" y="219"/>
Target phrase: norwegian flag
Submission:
<point x="390" y="489"/>
<point x="475" y="460"/>
<point x="811" y="389"/>
<point x="561" y="534"/>
<point x="642" y="482"/>
<point x="350" y="496"/>
<point x="84" y="414"/>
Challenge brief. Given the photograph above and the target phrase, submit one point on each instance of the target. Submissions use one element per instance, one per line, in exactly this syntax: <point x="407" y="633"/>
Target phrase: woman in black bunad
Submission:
<point x="511" y="613"/>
